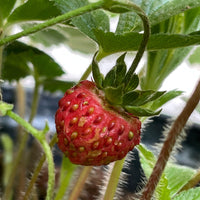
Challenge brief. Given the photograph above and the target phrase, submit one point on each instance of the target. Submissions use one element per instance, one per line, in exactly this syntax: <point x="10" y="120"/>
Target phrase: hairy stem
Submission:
<point x="51" y="173"/>
<point x="53" y="21"/>
<point x="40" y="135"/>
<point x="38" y="169"/>
<point x="37" y="134"/>
<point x="80" y="183"/>
<point x="113" y="181"/>
<point x="169" y="144"/>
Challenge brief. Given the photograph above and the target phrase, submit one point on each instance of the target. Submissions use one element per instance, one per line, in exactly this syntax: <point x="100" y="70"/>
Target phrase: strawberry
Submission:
<point x="96" y="122"/>
<point x="89" y="131"/>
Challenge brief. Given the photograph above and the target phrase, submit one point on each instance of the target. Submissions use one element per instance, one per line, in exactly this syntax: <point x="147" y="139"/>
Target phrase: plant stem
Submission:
<point x="192" y="182"/>
<point x="169" y="144"/>
<point x="40" y="135"/>
<point x="37" y="134"/>
<point x="114" y="179"/>
<point x="80" y="183"/>
<point x="53" y="21"/>
<point x="146" y="35"/>
<point x="38" y="169"/>
<point x="51" y="173"/>
<point x="113" y="182"/>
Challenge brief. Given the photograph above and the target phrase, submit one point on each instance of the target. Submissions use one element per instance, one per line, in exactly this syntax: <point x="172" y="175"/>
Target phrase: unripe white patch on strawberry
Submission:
<point x="90" y="131"/>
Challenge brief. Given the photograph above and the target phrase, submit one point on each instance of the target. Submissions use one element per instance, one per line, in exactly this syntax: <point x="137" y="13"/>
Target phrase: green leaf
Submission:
<point x="87" y="22"/>
<point x="127" y="21"/>
<point x="112" y="43"/>
<point x="6" y="8"/>
<point x="161" y="63"/>
<point x="17" y="58"/>
<point x="177" y="177"/>
<point x="148" y="161"/>
<point x="14" y="66"/>
<point x="34" y="10"/>
<point x="156" y="10"/>
<point x="129" y="97"/>
<point x="191" y="194"/>
<point x="66" y="35"/>
<point x="114" y="95"/>
<point x="171" y="8"/>
<point x="165" y="98"/>
<point x="138" y="111"/>
<point x="53" y="85"/>
<point x="45" y="65"/>
<point x="96" y="72"/>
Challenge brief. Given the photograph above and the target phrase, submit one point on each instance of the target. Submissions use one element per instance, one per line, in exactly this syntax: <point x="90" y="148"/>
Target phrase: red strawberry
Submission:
<point x="90" y="131"/>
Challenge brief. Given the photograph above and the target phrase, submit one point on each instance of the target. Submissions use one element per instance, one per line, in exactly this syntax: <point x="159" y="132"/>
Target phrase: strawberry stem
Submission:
<point x="38" y="169"/>
<point x="169" y="144"/>
<point x="80" y="183"/>
<point x="114" y="179"/>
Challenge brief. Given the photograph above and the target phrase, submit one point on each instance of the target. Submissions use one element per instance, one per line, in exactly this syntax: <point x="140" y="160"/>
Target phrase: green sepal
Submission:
<point x="116" y="75"/>
<point x="114" y="95"/>
<point x="146" y="96"/>
<point x="98" y="77"/>
<point x="120" y="70"/>
<point x="165" y="98"/>
<point x="132" y="83"/>
<point x="138" y="111"/>
<point x="129" y="97"/>
<point x="110" y="78"/>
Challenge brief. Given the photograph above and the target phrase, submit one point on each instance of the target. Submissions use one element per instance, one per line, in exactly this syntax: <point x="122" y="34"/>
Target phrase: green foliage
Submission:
<point x="113" y="43"/>
<point x="53" y="85"/>
<point x="175" y="29"/>
<point x="192" y="194"/>
<point x="34" y="10"/>
<point x="177" y="177"/>
<point x="18" y="56"/>
<point x="66" y="35"/>
<point x="88" y="22"/>
<point x="148" y="161"/>
<point x="6" y="8"/>
<point x="173" y="178"/>
<point x="157" y="11"/>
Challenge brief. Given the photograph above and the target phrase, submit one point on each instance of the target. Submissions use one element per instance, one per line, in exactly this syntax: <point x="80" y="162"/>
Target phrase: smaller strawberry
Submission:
<point x="96" y="122"/>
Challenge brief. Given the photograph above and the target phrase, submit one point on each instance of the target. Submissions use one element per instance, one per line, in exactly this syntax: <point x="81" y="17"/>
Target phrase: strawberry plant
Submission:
<point x="99" y="120"/>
